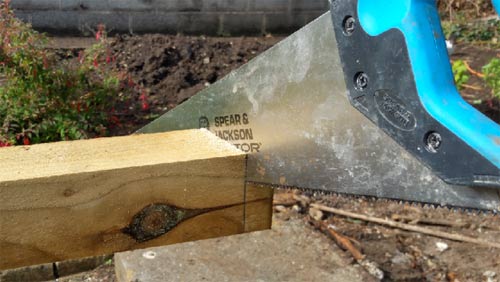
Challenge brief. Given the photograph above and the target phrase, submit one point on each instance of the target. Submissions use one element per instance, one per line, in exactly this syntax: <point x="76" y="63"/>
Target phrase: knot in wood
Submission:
<point x="154" y="221"/>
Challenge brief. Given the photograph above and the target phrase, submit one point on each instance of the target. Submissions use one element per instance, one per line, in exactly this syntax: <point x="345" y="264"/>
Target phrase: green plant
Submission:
<point x="460" y="73"/>
<point x="491" y="73"/>
<point x="45" y="100"/>
<point x="481" y="32"/>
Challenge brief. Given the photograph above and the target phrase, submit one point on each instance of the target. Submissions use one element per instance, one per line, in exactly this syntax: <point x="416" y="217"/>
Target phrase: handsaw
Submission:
<point x="360" y="101"/>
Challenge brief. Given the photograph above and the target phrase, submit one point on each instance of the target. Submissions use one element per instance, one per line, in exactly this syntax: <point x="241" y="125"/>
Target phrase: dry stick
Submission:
<point x="408" y="227"/>
<point x="471" y="87"/>
<point x="428" y="221"/>
<point x="474" y="72"/>
<point x="344" y="242"/>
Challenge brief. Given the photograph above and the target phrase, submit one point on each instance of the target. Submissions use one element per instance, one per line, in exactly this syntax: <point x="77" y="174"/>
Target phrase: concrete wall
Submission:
<point x="214" y="17"/>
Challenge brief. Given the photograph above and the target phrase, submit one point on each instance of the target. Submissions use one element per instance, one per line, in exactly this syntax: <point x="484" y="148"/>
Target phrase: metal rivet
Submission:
<point x="361" y="81"/>
<point x="349" y="25"/>
<point x="433" y="141"/>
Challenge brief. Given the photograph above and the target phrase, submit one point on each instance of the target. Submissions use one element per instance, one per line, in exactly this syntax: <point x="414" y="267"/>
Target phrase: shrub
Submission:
<point x="492" y="77"/>
<point x="461" y="73"/>
<point x="43" y="99"/>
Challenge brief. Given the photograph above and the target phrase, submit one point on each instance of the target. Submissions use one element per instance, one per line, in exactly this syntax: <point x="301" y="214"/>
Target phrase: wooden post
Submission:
<point x="84" y="198"/>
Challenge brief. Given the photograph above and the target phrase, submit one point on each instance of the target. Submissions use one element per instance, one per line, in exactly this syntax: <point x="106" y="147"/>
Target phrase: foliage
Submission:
<point x="480" y="32"/>
<point x="461" y="73"/>
<point x="43" y="100"/>
<point x="449" y="9"/>
<point x="491" y="73"/>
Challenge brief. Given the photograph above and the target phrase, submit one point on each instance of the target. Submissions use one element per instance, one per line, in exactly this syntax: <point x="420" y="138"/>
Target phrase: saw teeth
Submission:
<point x="427" y="206"/>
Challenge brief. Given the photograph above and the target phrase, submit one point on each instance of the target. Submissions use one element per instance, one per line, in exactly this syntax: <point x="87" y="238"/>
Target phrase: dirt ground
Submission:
<point x="403" y="255"/>
<point x="173" y="68"/>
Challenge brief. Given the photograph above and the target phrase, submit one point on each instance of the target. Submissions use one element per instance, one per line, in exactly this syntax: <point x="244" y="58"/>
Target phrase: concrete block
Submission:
<point x="269" y="5"/>
<point x="52" y="21"/>
<point x="43" y="5"/>
<point x="290" y="252"/>
<point x="284" y="23"/>
<point x="85" y="5"/>
<point x="198" y="23"/>
<point x="225" y="5"/>
<point x="42" y="272"/>
<point x="114" y="21"/>
<point x="211" y="17"/>
<point x="70" y="267"/>
<point x="237" y="24"/>
<point x="140" y="5"/>
<point x="178" y="6"/>
<point x="157" y="5"/>
<point x="309" y="5"/>
<point x="153" y="22"/>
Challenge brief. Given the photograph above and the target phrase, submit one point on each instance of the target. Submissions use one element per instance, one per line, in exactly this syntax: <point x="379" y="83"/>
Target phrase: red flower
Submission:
<point x="5" y="144"/>
<point x="100" y="31"/>
<point x="96" y="63"/>
<point x="145" y="106"/>
<point x="26" y="141"/>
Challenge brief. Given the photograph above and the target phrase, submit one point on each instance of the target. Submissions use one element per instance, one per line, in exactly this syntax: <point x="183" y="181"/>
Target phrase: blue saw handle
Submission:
<point x="419" y="21"/>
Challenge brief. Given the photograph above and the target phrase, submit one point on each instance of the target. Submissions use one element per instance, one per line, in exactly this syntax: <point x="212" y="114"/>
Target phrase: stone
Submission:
<point x="290" y="251"/>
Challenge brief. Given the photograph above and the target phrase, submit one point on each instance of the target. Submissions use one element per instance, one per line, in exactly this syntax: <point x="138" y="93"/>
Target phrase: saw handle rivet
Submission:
<point x="433" y="141"/>
<point x="349" y="25"/>
<point x="361" y="81"/>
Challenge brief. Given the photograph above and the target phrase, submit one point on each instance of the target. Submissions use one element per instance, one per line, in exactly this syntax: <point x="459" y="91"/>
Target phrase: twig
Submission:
<point x="408" y="227"/>
<point x="343" y="242"/>
<point x="472" y="71"/>
<point x="472" y="87"/>
<point x="428" y="221"/>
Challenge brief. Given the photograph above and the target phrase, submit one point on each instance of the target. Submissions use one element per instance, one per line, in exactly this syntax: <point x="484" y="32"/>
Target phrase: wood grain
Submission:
<point x="84" y="198"/>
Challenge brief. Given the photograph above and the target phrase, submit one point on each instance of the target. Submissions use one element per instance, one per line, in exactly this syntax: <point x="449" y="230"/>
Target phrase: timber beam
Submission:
<point x="76" y="199"/>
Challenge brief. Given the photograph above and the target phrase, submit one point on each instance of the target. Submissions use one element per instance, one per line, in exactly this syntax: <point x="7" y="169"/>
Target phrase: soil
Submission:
<point x="173" y="68"/>
<point x="402" y="255"/>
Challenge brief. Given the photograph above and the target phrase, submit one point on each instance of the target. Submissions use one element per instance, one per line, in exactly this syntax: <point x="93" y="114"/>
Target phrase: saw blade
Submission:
<point x="289" y="109"/>
<point x="322" y="195"/>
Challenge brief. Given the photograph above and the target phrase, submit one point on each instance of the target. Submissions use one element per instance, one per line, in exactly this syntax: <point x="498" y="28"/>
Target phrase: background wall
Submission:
<point x="213" y="17"/>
